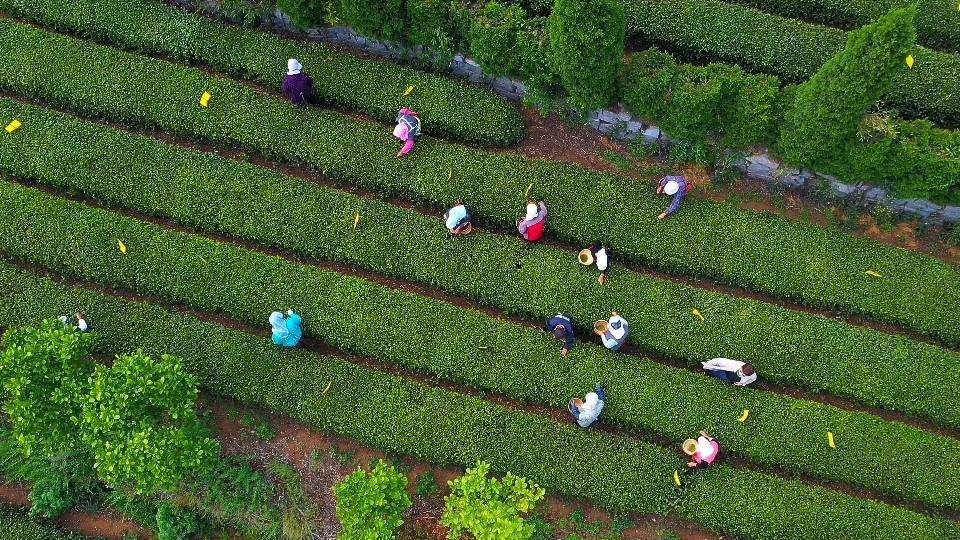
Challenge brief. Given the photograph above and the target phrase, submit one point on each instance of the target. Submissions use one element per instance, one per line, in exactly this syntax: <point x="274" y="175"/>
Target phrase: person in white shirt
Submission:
<point x="613" y="332"/>
<point x="595" y="254"/>
<point x="725" y="369"/>
<point x="78" y="320"/>
<point x="586" y="411"/>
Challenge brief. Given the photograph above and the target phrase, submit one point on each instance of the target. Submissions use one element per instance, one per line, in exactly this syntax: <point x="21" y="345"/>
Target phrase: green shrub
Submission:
<point x="490" y="508"/>
<point x="371" y="505"/>
<point x="382" y="19"/>
<point x="830" y="106"/>
<point x="305" y="13"/>
<point x="429" y="22"/>
<point x="586" y="49"/>
<point x="141" y="424"/>
<point x="493" y="38"/>
<point x="323" y="391"/>
<point x="449" y="108"/>
<point x="18" y="526"/>
<point x="175" y="523"/>
<point x="521" y="363"/>
<point x="792" y="50"/>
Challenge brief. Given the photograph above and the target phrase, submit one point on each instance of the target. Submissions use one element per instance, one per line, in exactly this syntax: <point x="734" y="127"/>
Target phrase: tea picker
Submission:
<point x="533" y="224"/>
<point x="586" y="411"/>
<point x="703" y="450"/>
<point x="561" y="326"/>
<point x="613" y="332"/>
<point x="286" y="329"/>
<point x="457" y="219"/>
<point x="408" y="130"/>
<point x="596" y="253"/>
<point x="676" y="187"/>
<point x="297" y="85"/>
<point x="732" y="371"/>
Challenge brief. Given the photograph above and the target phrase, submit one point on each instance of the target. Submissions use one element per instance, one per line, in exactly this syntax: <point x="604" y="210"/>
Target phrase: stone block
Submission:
<point x="624" y="116"/>
<point x="472" y="62"/>
<point x="606" y="127"/>
<point x="841" y="189"/>
<point x="595" y="123"/>
<point x="763" y="160"/>
<point x="875" y="194"/>
<point x="608" y="116"/>
<point x="951" y="214"/>
<point x="652" y="132"/>
<point x="760" y="172"/>
<point x="504" y="83"/>
<point x="633" y="127"/>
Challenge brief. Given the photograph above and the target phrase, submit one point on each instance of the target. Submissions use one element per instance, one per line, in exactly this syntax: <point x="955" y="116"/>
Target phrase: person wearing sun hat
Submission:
<point x="297" y="85"/>
<point x="286" y="331"/>
<point x="703" y="450"/>
<point x="408" y="130"/>
<point x="612" y="332"/>
<point x="676" y="187"/>
<point x="533" y="224"/>
<point x="586" y="411"/>
<point x="457" y="219"/>
<point x="596" y="253"/>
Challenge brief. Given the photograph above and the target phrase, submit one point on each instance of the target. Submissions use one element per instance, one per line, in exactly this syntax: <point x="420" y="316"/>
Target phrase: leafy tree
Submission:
<point x="586" y="48"/>
<point x="493" y="38"/>
<point x="374" y="18"/>
<point x="45" y="381"/>
<point x="829" y="107"/>
<point x="141" y="423"/>
<point x="488" y="508"/>
<point x="371" y="505"/>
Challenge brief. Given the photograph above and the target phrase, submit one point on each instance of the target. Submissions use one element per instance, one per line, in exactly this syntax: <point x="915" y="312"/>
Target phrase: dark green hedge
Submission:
<point x="802" y="262"/>
<point x="938" y="21"/>
<point x="449" y="108"/>
<point x="17" y="525"/>
<point x="467" y="346"/>
<point x="390" y="413"/>
<point x="790" y="49"/>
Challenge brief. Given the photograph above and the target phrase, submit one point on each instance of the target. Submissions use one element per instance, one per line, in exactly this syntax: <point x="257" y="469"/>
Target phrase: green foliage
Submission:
<point x="830" y="106"/>
<point x="371" y="505"/>
<point x="18" y="526"/>
<point x="586" y="48"/>
<point x="430" y="22"/>
<point x="44" y="374"/>
<point x="427" y="484"/>
<point x="141" y="424"/>
<point x="246" y="12"/>
<point x="305" y="13"/>
<point x="690" y="102"/>
<point x="175" y="523"/>
<point x="234" y="494"/>
<point x="635" y="474"/>
<point x="449" y="108"/>
<point x="490" y="508"/>
<point x="324" y="215"/>
<point x="382" y="19"/>
<point x="493" y="38"/>
<point x="938" y="22"/>
<point x="790" y="49"/>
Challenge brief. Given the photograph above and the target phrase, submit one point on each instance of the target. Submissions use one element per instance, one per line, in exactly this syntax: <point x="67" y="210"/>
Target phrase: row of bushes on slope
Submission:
<point x="455" y="343"/>
<point x="388" y="413"/>
<point x="449" y="108"/>
<point x="799" y="261"/>
<point x="938" y="22"/>
<point x="142" y="174"/>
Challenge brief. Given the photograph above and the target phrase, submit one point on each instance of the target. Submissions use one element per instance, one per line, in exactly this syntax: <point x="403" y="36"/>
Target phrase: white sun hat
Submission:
<point x="672" y="187"/>
<point x="294" y="67"/>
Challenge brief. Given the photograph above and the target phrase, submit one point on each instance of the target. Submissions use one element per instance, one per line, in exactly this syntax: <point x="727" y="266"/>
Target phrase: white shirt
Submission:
<point x="614" y="337"/>
<point x="726" y="364"/>
<point x="82" y="325"/>
<point x="601" y="259"/>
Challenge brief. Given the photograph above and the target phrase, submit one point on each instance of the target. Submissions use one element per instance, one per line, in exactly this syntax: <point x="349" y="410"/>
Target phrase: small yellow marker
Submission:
<point x="327" y="388"/>
<point x="408" y="90"/>
<point x="676" y="477"/>
<point x="13" y="126"/>
<point x="743" y="417"/>
<point x="122" y="246"/>
<point x="356" y="220"/>
<point x="909" y="61"/>
<point x="205" y="99"/>
<point x="696" y="313"/>
<point x="830" y="440"/>
<point x="871" y="273"/>
<point x="527" y="192"/>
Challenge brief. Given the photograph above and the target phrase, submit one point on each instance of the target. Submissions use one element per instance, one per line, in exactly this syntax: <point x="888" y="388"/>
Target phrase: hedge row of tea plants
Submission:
<point x="790" y="49"/>
<point x="17" y="525"/>
<point x="387" y="412"/>
<point x="425" y="334"/>
<point x="938" y="22"/>
<point x="449" y="108"/>
<point x="802" y="262"/>
<point x="223" y="195"/>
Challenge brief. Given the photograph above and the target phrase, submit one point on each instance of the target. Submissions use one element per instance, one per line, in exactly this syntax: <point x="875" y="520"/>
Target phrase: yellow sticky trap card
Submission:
<point x="326" y="388"/>
<point x="830" y="441"/>
<point x="408" y="90"/>
<point x="13" y="126"/>
<point x="122" y="246"/>
<point x="871" y="273"/>
<point x="743" y="417"/>
<point x="696" y="313"/>
<point x="676" y="478"/>
<point x="356" y="220"/>
<point x="526" y="193"/>
<point x="909" y="60"/>
<point x="205" y="99"/>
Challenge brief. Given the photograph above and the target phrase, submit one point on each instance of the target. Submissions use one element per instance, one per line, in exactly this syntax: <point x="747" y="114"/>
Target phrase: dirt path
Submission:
<point x="107" y="524"/>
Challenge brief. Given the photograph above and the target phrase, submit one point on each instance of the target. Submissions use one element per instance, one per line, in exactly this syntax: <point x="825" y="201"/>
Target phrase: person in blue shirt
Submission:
<point x="287" y="330"/>
<point x="676" y="187"/>
<point x="561" y="326"/>
<point x="457" y="219"/>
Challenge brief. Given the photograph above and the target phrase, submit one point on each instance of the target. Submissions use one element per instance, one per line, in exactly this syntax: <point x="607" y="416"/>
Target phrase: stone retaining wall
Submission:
<point x="618" y="122"/>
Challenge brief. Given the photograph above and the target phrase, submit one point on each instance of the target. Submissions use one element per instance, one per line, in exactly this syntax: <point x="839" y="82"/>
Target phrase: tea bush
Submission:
<point x="586" y="49"/>
<point x="490" y="508"/>
<point x="371" y="505"/>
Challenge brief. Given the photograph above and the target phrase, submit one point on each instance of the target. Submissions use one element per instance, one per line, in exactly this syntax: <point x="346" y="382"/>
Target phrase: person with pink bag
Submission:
<point x="703" y="450"/>
<point x="408" y="130"/>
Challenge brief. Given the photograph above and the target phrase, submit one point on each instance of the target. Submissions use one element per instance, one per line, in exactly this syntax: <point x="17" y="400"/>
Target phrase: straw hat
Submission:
<point x="689" y="447"/>
<point x="585" y="257"/>
<point x="601" y="326"/>
<point x="467" y="229"/>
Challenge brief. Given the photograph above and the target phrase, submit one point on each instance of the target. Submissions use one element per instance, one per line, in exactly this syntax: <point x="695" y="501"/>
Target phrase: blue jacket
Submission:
<point x="293" y="334"/>
<point x="567" y="323"/>
<point x="679" y="195"/>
